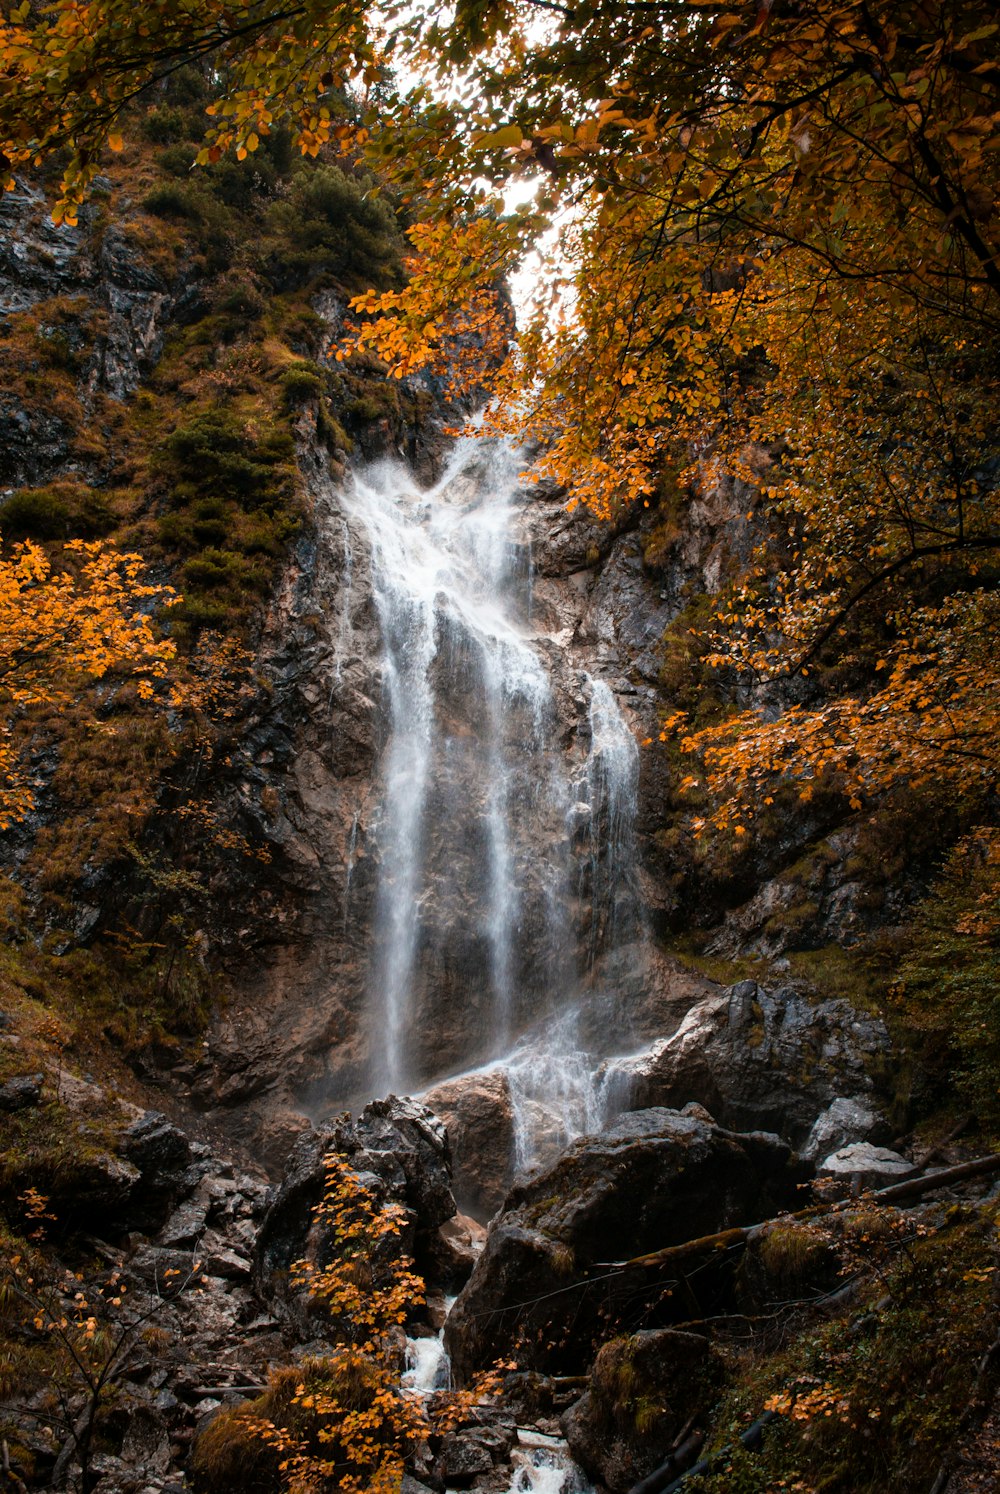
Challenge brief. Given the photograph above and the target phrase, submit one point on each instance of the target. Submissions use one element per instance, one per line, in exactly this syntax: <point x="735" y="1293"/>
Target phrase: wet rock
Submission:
<point x="219" y="1260"/>
<point x="21" y="1093"/>
<point x="146" y="1443"/>
<point x="643" y="1390"/>
<point x="653" y="1179"/>
<point x="411" y="1485"/>
<point x="862" y="1165"/>
<point x="755" y="1056"/>
<point x="471" y="1451"/>
<point x="400" y="1149"/>
<point x="460" y="1243"/>
<point x="162" y="1153"/>
<point x="843" y="1122"/>
<point x="162" y="1268"/>
<point x="479" y="1117"/>
<point x="156" y="1146"/>
<point x="187" y="1223"/>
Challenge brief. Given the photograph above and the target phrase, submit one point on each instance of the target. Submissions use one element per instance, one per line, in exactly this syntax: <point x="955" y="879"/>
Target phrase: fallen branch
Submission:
<point x="728" y="1239"/>
<point x="656" y="1482"/>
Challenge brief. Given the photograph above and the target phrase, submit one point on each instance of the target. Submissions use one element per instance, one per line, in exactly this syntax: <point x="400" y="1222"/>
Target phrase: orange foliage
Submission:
<point x="62" y="630"/>
<point x="350" y="1425"/>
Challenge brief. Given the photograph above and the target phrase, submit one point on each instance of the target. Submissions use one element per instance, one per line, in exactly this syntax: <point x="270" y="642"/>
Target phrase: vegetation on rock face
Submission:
<point x="192" y="465"/>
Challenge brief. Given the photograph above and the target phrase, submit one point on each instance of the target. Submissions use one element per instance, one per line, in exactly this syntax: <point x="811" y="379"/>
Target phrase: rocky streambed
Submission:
<point x="584" y="1278"/>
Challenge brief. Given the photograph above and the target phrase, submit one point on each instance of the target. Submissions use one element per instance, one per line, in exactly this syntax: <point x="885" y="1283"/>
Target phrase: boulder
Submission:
<point x="460" y="1243"/>
<point x="21" y="1093"/>
<point x="98" y="1194"/>
<point x="157" y="1147"/>
<point x="862" y="1165"/>
<point x="479" y="1118"/>
<point x="843" y="1122"/>
<point x="643" y="1389"/>
<point x="761" y="1057"/>
<point x="471" y="1451"/>
<point x="162" y="1154"/>
<point x="398" y="1147"/>
<point x="655" y="1178"/>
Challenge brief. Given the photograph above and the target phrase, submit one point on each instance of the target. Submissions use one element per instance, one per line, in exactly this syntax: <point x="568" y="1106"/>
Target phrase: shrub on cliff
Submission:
<point x="947" y="992"/>
<point x="331" y="226"/>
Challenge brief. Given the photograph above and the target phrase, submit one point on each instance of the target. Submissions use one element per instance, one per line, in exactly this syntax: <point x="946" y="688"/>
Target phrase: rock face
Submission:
<point x="643" y="1389"/>
<point x="655" y="1178"/>
<point x="772" y="1058"/>
<point x="122" y="307"/>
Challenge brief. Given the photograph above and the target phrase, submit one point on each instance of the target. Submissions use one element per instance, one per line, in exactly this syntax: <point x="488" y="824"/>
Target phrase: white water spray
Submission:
<point x="475" y="784"/>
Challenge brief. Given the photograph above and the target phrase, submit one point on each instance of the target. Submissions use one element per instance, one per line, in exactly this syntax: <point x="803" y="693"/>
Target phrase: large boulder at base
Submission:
<point x="757" y="1057"/>
<point x="479" y="1116"/>
<point x="655" y="1178"/>
<point x="400" y="1150"/>
<point x="643" y="1389"/>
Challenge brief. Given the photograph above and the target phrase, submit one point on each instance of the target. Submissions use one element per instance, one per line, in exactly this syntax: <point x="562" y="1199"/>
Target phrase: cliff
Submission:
<point x="403" y="835"/>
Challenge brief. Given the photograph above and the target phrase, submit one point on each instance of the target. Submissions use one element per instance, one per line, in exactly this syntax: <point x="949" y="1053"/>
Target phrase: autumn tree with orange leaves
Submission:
<point x="64" y="629"/>
<point x="776" y="257"/>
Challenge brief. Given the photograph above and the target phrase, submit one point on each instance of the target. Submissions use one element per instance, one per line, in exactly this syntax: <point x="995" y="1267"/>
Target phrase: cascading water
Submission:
<point x="492" y="833"/>
<point x="539" y="1463"/>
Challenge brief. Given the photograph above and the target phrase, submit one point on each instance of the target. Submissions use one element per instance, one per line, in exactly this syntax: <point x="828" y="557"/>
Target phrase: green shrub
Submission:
<point x="176" y="160"/>
<point x="328" y="227"/>
<point x="194" y="613"/>
<point x="244" y="302"/>
<point x="62" y="511"/>
<point x="216" y="456"/>
<point x="170" y="200"/>
<point x="212" y="569"/>
<point x="301" y="382"/>
<point x="166" y="124"/>
<point x="948" y="985"/>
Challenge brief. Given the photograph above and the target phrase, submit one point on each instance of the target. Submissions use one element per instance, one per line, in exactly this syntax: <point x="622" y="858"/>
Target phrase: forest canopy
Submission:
<point x="770" y="257"/>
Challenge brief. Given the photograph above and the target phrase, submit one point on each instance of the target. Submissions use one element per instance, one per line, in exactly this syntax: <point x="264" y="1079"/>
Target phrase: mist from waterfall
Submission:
<point x="473" y="780"/>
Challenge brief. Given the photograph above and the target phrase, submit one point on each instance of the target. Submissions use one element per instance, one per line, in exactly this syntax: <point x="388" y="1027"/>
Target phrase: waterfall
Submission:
<point x="490" y="828"/>
<point x="613" y="792"/>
